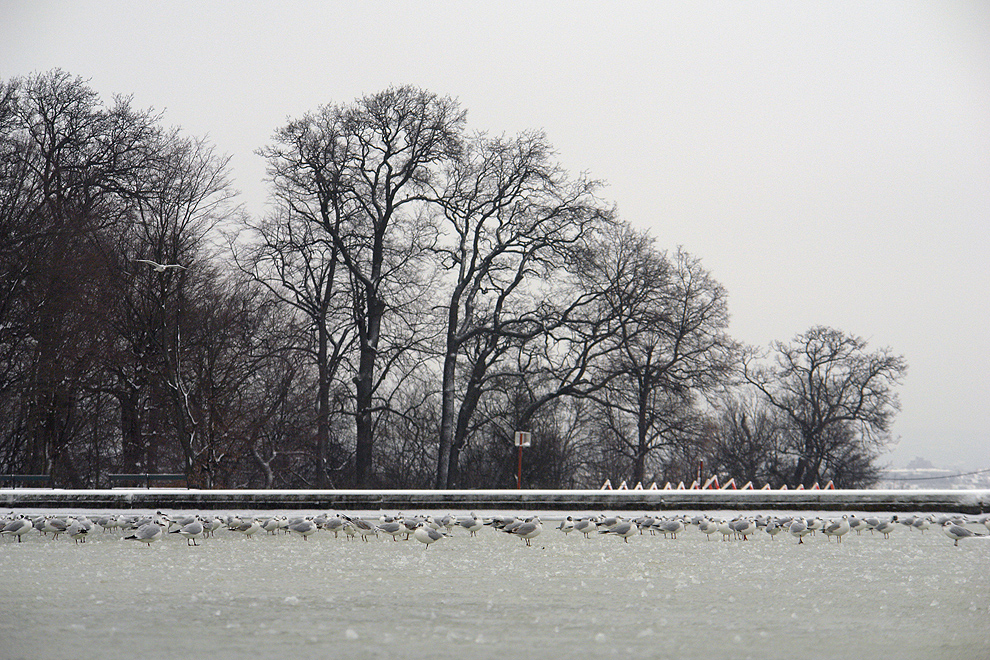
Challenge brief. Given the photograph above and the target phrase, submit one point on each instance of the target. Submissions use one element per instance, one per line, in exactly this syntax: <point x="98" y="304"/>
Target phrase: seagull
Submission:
<point x="586" y="526"/>
<point x="78" y="531"/>
<point x="887" y="526"/>
<point x="304" y="528"/>
<point x="858" y="524"/>
<point x="190" y="531"/>
<point x="708" y="527"/>
<point x="335" y="525"/>
<point x="471" y="523"/>
<point x="957" y="532"/>
<point x="566" y="525"/>
<point x="18" y="528"/>
<point x="625" y="529"/>
<point x="362" y="527"/>
<point x="922" y="523"/>
<point x="247" y="527"/>
<point x="427" y="535"/>
<point x="448" y="522"/>
<point x="393" y="528"/>
<point x="157" y="267"/>
<point x="743" y="527"/>
<point x="799" y="529"/>
<point x="837" y="528"/>
<point x="528" y="530"/>
<point x="54" y="525"/>
<point x="672" y="527"/>
<point x="212" y="524"/>
<point x="147" y="533"/>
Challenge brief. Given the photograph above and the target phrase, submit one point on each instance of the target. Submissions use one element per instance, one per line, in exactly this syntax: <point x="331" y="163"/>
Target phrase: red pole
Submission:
<point x="519" y="477"/>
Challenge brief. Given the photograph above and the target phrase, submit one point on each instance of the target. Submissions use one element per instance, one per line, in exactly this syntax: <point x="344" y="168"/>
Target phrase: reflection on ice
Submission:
<point x="662" y="593"/>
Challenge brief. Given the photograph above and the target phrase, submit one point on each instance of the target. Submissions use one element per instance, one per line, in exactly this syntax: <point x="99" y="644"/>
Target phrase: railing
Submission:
<point x="146" y="479"/>
<point x="14" y="479"/>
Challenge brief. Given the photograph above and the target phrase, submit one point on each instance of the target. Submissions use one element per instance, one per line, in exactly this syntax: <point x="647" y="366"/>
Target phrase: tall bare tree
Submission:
<point x="366" y="192"/>
<point x="512" y="215"/>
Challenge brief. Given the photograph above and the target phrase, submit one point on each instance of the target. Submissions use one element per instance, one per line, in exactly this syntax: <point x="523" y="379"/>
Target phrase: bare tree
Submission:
<point x="295" y="261"/>
<point x="671" y="346"/>
<point x="512" y="214"/>
<point x="164" y="290"/>
<point x="832" y="392"/>
<point x="366" y="193"/>
<point x="71" y="165"/>
<point x="745" y="441"/>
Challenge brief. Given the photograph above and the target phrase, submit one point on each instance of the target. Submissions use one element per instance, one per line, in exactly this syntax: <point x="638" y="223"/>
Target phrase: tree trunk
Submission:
<point x="130" y="430"/>
<point x="447" y="454"/>
<point x="323" y="408"/>
<point x="364" y="424"/>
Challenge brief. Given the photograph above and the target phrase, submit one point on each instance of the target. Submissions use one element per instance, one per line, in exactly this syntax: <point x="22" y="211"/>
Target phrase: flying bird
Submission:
<point x="157" y="267"/>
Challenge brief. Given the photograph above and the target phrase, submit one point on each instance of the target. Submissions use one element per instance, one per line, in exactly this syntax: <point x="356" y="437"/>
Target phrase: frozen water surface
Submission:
<point x="913" y="595"/>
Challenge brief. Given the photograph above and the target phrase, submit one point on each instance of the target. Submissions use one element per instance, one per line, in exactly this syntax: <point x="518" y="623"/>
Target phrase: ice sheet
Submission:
<point x="911" y="596"/>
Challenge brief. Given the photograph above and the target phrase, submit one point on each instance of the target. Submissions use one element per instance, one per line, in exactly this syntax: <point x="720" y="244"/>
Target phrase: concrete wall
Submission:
<point x="961" y="501"/>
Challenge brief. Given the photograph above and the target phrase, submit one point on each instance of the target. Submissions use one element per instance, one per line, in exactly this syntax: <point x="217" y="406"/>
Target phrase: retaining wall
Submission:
<point x="962" y="501"/>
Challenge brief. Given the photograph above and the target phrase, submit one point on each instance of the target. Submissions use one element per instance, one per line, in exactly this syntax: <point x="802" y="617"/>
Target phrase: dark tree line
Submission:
<point x="416" y="294"/>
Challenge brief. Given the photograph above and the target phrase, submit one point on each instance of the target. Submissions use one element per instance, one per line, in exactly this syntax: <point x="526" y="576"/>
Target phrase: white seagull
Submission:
<point x="528" y="530"/>
<point x="799" y="529"/>
<point x="625" y="529"/>
<point x="837" y="528"/>
<point x="426" y="534"/>
<point x="304" y="528"/>
<point x="147" y="533"/>
<point x="159" y="268"/>
<point x="191" y="531"/>
<point x="18" y="527"/>
<point x="955" y="531"/>
<point x="471" y="523"/>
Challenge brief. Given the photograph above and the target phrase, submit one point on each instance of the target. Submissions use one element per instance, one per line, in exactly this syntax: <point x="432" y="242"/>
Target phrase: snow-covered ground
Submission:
<point x="913" y="595"/>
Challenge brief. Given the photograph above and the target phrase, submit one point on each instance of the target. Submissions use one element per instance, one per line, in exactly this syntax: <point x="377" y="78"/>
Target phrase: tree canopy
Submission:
<point x="416" y="293"/>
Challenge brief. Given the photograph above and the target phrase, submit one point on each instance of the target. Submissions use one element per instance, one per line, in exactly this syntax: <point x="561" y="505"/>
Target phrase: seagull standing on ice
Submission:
<point x="955" y="531"/>
<point x="427" y="535"/>
<point x="18" y="527"/>
<point x="471" y="523"/>
<point x="393" y="528"/>
<point x="799" y="529"/>
<point x="304" y="528"/>
<point x="528" y="530"/>
<point x="586" y="526"/>
<point x="887" y="526"/>
<point x="147" y="533"/>
<point x="708" y="527"/>
<point x="77" y="531"/>
<point x="191" y="531"/>
<point x="836" y="528"/>
<point x="625" y="529"/>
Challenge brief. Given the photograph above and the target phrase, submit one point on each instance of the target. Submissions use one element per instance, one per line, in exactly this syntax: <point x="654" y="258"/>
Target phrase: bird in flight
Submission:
<point x="157" y="267"/>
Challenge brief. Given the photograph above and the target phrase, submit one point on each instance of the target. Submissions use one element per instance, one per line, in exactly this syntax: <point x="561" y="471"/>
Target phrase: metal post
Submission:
<point x="519" y="476"/>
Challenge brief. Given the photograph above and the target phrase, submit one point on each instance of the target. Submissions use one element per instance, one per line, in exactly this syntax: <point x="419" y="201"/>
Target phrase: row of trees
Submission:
<point x="417" y="293"/>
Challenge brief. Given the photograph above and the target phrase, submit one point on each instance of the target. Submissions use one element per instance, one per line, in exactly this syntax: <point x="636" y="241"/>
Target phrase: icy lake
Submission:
<point x="914" y="595"/>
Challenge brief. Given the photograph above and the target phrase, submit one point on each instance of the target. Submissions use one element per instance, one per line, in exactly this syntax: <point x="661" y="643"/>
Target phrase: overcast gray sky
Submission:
<point x="829" y="162"/>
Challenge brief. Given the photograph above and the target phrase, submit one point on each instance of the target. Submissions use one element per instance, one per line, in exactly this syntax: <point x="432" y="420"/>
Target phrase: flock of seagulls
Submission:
<point x="427" y="529"/>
